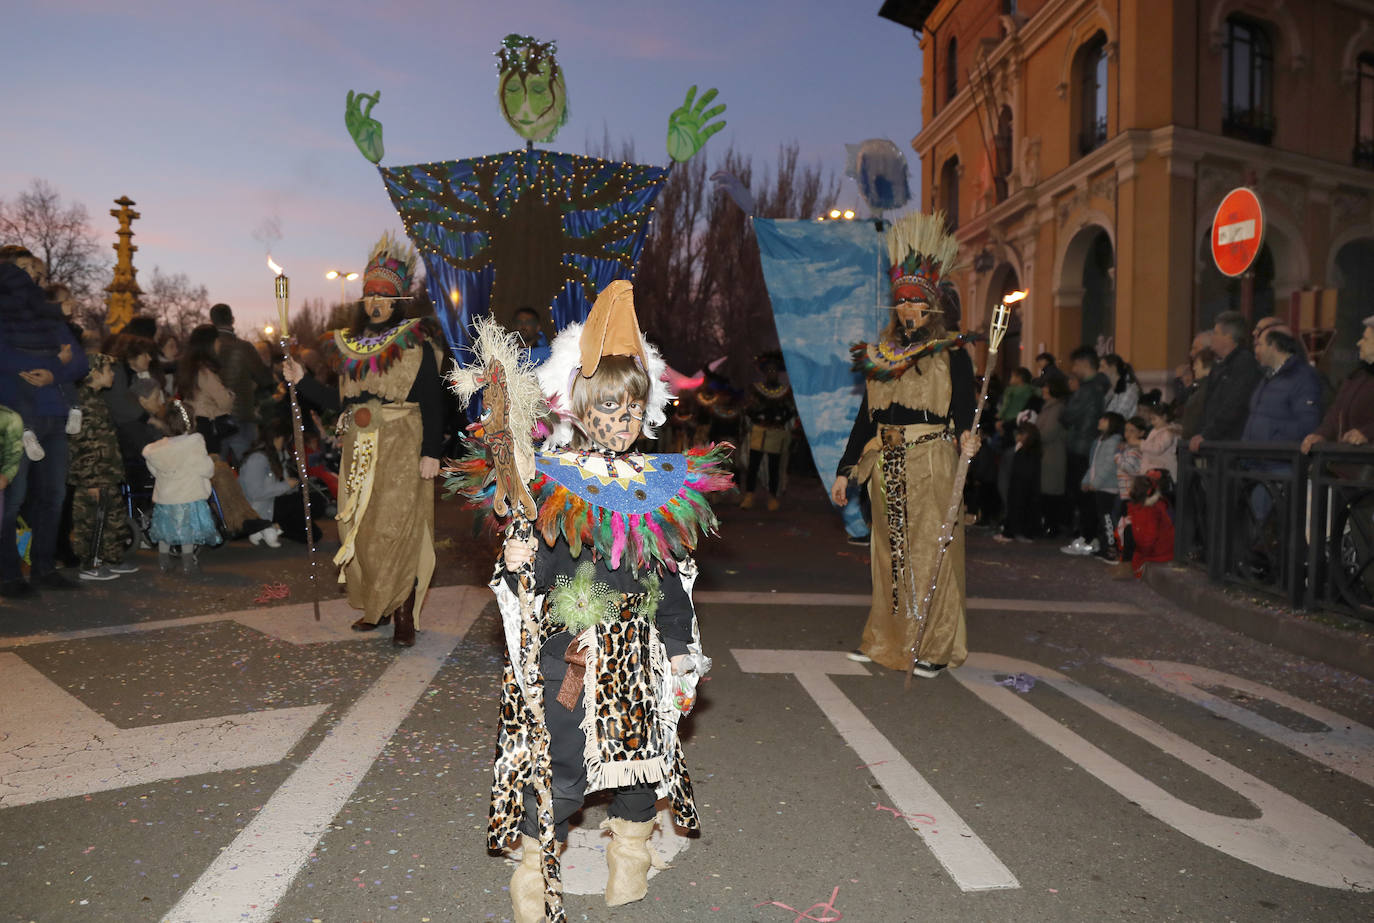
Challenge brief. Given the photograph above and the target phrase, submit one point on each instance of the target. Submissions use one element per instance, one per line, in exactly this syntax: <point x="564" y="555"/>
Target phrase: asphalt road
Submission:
<point x="204" y="751"/>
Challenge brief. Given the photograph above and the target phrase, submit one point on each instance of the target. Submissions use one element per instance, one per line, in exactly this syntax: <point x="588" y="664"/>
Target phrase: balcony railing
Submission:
<point x="1364" y="153"/>
<point x="1249" y="125"/>
<point x="1093" y="138"/>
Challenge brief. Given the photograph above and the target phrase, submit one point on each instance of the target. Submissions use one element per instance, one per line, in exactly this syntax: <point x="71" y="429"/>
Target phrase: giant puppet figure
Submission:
<point x="603" y="648"/>
<point x="527" y="228"/>
<point x="918" y="401"/>
<point x="391" y="399"/>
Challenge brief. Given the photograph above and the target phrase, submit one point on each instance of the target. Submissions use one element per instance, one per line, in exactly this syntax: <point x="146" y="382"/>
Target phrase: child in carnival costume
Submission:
<point x="619" y="652"/>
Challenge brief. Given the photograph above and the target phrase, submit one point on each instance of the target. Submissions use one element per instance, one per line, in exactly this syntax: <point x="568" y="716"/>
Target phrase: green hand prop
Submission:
<point x="366" y="131"/>
<point x="688" y="130"/>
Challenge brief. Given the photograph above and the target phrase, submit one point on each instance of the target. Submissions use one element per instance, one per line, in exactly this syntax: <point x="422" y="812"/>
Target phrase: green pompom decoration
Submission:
<point x="580" y="602"/>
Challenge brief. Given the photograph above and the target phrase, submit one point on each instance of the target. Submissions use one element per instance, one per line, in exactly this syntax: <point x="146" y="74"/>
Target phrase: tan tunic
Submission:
<point x="916" y="470"/>
<point x="386" y="510"/>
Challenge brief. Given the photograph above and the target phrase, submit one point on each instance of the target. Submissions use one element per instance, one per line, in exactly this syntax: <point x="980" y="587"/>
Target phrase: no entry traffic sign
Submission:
<point x="1237" y="231"/>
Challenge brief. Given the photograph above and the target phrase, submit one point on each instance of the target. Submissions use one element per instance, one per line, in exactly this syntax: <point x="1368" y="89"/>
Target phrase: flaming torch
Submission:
<point x="282" y="289"/>
<point x="1001" y="319"/>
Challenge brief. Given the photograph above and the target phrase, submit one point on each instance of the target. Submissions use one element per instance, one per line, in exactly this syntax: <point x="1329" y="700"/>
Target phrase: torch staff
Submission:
<point x="1001" y="316"/>
<point x="283" y="295"/>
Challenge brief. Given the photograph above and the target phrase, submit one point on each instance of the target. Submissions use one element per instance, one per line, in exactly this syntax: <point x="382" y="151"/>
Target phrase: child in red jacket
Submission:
<point x="1147" y="530"/>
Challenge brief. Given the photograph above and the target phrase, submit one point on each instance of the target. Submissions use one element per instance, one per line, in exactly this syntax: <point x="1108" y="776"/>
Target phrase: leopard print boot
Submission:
<point x="527" y="885"/>
<point x="628" y="858"/>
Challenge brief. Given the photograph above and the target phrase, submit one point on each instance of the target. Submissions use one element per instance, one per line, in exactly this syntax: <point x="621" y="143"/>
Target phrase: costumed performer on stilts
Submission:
<point x="619" y="649"/>
<point x="918" y="401"/>
<point x="391" y="398"/>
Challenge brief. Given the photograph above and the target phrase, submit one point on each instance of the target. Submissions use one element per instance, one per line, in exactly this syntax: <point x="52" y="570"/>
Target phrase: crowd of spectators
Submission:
<point x="136" y="437"/>
<point x="1090" y="457"/>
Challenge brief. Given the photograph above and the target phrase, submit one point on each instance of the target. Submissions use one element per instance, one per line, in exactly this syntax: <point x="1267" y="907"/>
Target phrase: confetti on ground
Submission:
<point x="802" y="915"/>
<point x="1021" y="682"/>
<point x="909" y="818"/>
<point x="271" y="592"/>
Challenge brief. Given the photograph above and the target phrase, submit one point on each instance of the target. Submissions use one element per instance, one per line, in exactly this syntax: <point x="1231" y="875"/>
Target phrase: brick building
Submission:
<point x="1081" y="148"/>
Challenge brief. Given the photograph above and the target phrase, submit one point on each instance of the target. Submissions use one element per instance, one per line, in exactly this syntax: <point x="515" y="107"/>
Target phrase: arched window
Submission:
<point x="1002" y="152"/>
<point x="949" y="192"/>
<point x="1248" y="81"/>
<point x="1092" y="94"/>
<point x="1364" y="113"/>
<point x="952" y="69"/>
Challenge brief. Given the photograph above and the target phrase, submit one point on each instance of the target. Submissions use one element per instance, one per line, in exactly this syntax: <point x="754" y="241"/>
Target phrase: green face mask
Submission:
<point x="535" y="106"/>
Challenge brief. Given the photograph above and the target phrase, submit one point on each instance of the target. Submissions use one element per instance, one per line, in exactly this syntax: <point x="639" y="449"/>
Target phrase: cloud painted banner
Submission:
<point x="827" y="281"/>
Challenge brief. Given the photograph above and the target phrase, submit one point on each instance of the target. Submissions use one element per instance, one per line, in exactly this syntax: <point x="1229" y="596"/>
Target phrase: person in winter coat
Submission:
<point x="1159" y="451"/>
<point x="1350" y="418"/>
<point x="1286" y="404"/>
<point x="1231" y="382"/>
<point x="1098" y="490"/>
<point x="95" y="474"/>
<point x="34" y="337"/>
<point x="182" y="469"/>
<point x="1079" y="418"/>
<point x="1053" y="453"/>
<point x="270" y="483"/>
<point x="245" y="376"/>
<point x="199" y="383"/>
<point x="1192" y="405"/>
<point x="1023" y="491"/>
<point x="1147" y="531"/>
<point x="1123" y="396"/>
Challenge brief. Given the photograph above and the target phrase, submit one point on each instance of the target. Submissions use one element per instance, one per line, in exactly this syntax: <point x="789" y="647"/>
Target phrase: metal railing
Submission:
<point x="1268" y="518"/>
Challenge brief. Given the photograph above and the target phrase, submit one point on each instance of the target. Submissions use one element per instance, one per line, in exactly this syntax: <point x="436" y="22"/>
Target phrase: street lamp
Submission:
<point x="344" y="278"/>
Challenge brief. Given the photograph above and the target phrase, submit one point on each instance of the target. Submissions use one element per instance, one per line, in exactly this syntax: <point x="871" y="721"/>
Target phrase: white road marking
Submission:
<point x="1288" y="838"/>
<point x="53" y="746"/>
<point x="1345" y="745"/>
<point x="294" y="622"/>
<point x="863" y="600"/>
<point x="251" y="875"/>
<point x="964" y="856"/>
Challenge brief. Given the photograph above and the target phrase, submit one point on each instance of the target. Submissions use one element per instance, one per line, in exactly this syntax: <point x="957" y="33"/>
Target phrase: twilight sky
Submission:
<point x="217" y="117"/>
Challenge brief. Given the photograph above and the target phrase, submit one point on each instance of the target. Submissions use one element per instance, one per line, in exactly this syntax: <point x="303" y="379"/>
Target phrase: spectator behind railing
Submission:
<point x="1159" y="452"/>
<point x="1192" y="404"/>
<point x="1231" y="382"/>
<point x="1350" y="417"/>
<point x="1286" y="404"/>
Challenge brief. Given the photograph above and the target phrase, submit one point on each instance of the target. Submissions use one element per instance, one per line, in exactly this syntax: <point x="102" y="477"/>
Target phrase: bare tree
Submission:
<point x="176" y="302"/>
<point x="700" y="283"/>
<point x="61" y="235"/>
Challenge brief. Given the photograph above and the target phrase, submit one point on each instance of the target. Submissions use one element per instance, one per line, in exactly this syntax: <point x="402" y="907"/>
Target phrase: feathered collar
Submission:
<point x="884" y="361"/>
<point x="645" y="510"/>
<point x="363" y="354"/>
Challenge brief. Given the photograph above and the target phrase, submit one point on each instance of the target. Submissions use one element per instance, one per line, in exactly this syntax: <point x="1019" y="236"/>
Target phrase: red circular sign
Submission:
<point x="1237" y="231"/>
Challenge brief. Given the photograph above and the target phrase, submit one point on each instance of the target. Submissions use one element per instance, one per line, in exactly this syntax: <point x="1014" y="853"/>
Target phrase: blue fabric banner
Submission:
<point x="827" y="281"/>
<point x="538" y="228"/>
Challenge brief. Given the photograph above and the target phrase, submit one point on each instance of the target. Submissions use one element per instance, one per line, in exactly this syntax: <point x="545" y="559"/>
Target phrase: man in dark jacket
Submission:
<point x="1286" y="404"/>
<point x="1233" y="380"/>
<point x="1350" y="418"/>
<point x="243" y="372"/>
<point x="1079" y="419"/>
<point x="38" y="354"/>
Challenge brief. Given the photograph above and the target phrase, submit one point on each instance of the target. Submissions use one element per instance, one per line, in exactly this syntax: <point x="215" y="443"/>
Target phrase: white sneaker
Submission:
<point x="31" y="447"/>
<point x="1077" y="546"/>
<point x="1094" y="548"/>
<point x="859" y="657"/>
<point x="273" y="536"/>
<point x="73" y="421"/>
<point x="98" y="573"/>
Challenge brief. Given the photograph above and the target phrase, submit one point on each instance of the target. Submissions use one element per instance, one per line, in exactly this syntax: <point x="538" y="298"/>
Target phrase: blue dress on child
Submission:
<point x="184" y="524"/>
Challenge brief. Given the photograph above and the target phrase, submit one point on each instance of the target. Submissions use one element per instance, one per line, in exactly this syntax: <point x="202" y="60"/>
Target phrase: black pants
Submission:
<point x="1104" y="502"/>
<point x="566" y="742"/>
<point x="1080" y="500"/>
<point x="774" y="463"/>
<point x="289" y="513"/>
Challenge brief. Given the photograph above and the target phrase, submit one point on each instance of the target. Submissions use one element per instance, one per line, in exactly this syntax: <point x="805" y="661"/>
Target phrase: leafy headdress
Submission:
<point x="390" y="268"/>
<point x="922" y="252"/>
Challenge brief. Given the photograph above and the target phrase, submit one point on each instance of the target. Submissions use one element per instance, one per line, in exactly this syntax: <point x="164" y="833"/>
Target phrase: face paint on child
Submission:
<point x="615" y="423"/>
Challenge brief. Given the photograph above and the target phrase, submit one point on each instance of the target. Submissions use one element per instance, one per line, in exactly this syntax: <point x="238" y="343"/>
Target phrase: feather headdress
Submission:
<point x="922" y="252"/>
<point x="611" y="330"/>
<point x="390" y="268"/>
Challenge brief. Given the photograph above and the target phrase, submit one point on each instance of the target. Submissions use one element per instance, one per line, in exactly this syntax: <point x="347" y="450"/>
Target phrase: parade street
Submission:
<point x="205" y="751"/>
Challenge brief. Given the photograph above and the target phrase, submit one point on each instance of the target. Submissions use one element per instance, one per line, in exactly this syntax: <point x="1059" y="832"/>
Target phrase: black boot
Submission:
<point x="404" y="633"/>
<point x="364" y="625"/>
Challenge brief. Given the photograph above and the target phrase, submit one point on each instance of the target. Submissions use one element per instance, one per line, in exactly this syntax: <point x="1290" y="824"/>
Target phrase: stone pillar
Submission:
<point x="123" y="291"/>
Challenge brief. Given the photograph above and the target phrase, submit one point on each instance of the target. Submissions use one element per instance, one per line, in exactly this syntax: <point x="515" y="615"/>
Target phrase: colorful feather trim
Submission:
<point x="647" y="541"/>
<point x="356" y="357"/>
<point x="883" y="368"/>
